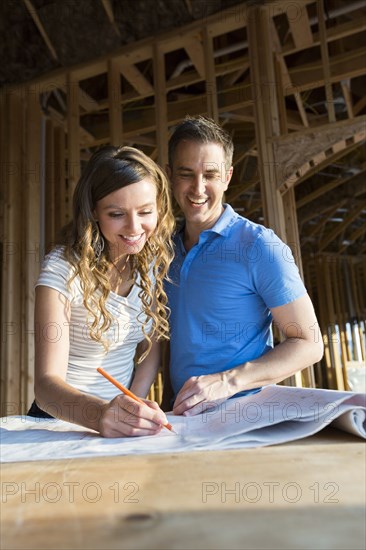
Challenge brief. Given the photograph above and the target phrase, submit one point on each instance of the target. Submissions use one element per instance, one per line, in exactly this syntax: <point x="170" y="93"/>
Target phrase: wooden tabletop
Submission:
<point x="309" y="494"/>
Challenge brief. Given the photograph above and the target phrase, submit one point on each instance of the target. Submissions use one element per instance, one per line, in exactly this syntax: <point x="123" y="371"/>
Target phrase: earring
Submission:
<point x="99" y="247"/>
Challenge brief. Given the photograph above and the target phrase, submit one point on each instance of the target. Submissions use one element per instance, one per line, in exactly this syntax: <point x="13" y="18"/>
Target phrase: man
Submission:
<point x="230" y="279"/>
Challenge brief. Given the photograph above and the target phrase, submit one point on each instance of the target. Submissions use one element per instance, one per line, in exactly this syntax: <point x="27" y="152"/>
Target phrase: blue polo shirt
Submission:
<point x="221" y="294"/>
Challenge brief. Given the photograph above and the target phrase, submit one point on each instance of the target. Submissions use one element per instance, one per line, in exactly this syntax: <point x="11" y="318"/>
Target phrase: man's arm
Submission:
<point x="303" y="346"/>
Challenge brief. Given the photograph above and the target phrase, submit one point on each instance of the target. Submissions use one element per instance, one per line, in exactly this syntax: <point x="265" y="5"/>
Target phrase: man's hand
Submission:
<point x="200" y="393"/>
<point x="123" y="416"/>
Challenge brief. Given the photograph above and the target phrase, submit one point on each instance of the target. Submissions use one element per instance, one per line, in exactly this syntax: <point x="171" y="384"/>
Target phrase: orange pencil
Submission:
<point x="127" y="392"/>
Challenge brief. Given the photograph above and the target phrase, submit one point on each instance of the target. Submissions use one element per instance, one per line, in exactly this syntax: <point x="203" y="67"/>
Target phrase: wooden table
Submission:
<point x="308" y="494"/>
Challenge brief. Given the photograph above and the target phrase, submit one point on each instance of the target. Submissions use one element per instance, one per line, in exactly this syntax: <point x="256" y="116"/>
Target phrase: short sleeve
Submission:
<point x="56" y="272"/>
<point x="275" y="274"/>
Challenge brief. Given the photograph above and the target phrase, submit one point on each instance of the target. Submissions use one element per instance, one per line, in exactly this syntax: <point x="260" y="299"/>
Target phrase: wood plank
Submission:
<point x="60" y="179"/>
<point x="161" y="110"/>
<point x="266" y="114"/>
<point x="352" y="215"/>
<point x="115" y="110"/>
<point x="335" y="359"/>
<point x="359" y="106"/>
<point x="49" y="189"/>
<point x="211" y="85"/>
<point x="289" y="487"/>
<point x="73" y="138"/>
<point x="33" y="12"/>
<point x="353" y="237"/>
<point x="300" y="29"/>
<point x="345" y="85"/>
<point x="341" y="30"/>
<point x="110" y="14"/>
<point x="310" y="75"/>
<point x="33" y="256"/>
<point x="87" y="102"/>
<point x="325" y="61"/>
<point x="11" y="309"/>
<point x="58" y="119"/>
<point x="196" y="53"/>
<point x="334" y="273"/>
<point x="323" y="320"/>
<point x="137" y="80"/>
<point x="324" y="189"/>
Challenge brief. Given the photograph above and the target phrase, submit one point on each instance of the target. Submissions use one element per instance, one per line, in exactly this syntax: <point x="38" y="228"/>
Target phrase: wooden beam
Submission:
<point x="283" y="75"/>
<point x="12" y="273"/>
<point x="73" y="137"/>
<point x="60" y="178"/>
<point x="86" y="101"/>
<point x="137" y="80"/>
<point x="337" y="377"/>
<point x="301" y="30"/>
<point x="114" y="95"/>
<point x="345" y="85"/>
<point x="325" y="61"/>
<point x="31" y="238"/>
<point x="299" y="152"/>
<point x="266" y="114"/>
<point x="309" y="76"/>
<point x="86" y="137"/>
<point x="352" y="238"/>
<point x="110" y="14"/>
<point x="195" y="51"/>
<point x="340" y="227"/>
<point x="360" y="105"/>
<point x="324" y="189"/>
<point x="341" y="30"/>
<point x="33" y="12"/>
<point x="211" y="85"/>
<point x="161" y="112"/>
<point x="50" y="205"/>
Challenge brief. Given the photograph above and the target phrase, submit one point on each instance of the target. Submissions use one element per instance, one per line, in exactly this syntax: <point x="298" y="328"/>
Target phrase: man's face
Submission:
<point x="199" y="179"/>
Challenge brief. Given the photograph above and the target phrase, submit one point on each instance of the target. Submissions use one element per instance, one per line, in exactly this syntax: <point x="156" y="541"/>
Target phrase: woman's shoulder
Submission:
<point x="56" y="264"/>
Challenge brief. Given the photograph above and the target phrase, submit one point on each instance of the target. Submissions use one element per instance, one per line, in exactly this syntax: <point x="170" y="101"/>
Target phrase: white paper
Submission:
<point x="275" y="415"/>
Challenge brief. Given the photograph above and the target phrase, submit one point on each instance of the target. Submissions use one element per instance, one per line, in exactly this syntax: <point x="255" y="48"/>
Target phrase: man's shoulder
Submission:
<point x="246" y="230"/>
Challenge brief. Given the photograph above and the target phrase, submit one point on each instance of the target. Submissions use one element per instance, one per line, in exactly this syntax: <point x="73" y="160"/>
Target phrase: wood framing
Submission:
<point x="286" y="79"/>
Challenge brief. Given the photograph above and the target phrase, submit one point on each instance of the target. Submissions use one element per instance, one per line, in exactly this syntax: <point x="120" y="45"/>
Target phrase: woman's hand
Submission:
<point x="125" y="417"/>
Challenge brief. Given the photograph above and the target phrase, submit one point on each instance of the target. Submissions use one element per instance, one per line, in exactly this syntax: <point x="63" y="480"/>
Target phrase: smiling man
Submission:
<point x="231" y="278"/>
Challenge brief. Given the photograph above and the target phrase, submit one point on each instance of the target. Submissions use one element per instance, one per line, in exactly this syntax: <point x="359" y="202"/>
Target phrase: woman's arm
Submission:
<point x="121" y="416"/>
<point x="147" y="371"/>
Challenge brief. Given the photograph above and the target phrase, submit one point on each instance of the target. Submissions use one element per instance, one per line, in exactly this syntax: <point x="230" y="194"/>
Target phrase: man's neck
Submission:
<point x="192" y="231"/>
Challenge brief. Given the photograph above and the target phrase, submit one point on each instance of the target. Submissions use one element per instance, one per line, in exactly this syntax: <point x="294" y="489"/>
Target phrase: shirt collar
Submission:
<point x="221" y="227"/>
<point x="225" y="221"/>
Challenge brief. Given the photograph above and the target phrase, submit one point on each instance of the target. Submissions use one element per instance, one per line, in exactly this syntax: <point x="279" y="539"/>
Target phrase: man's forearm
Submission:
<point x="283" y="361"/>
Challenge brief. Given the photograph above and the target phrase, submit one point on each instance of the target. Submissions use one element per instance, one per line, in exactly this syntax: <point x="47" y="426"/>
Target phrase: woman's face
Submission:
<point x="127" y="217"/>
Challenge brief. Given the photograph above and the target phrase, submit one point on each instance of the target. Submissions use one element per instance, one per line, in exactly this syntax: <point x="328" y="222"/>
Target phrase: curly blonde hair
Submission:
<point x="108" y="170"/>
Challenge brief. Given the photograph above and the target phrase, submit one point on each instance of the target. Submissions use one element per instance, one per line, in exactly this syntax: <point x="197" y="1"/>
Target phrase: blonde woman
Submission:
<point x="100" y="300"/>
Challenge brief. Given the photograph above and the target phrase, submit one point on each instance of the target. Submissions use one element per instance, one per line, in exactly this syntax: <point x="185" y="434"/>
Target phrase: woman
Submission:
<point x="100" y="299"/>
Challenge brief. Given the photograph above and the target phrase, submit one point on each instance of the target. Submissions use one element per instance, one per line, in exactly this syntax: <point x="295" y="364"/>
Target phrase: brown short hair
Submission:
<point x="202" y="130"/>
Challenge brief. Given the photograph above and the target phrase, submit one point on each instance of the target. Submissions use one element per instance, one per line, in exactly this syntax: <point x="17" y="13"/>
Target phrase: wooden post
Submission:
<point x="49" y="189"/>
<point x="264" y="93"/>
<point x="211" y="86"/>
<point x="161" y="109"/>
<point x="331" y="327"/>
<point x="323" y="318"/>
<point x="325" y="61"/>
<point x="114" y="97"/>
<point x="11" y="310"/>
<point x="335" y="281"/>
<point x="33" y="256"/>
<point x="60" y="181"/>
<point x="73" y="138"/>
<point x="265" y="88"/>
